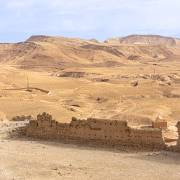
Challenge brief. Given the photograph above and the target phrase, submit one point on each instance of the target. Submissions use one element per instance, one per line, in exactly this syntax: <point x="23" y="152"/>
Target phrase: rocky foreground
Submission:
<point x="25" y="159"/>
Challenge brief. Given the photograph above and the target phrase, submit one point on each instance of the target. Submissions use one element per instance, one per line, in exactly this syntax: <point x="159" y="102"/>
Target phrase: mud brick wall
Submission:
<point x="178" y="129"/>
<point x="160" y="124"/>
<point x="112" y="132"/>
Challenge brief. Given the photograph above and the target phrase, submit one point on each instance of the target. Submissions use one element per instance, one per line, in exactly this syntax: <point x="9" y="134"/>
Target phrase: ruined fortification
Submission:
<point x="110" y="132"/>
<point x="178" y="142"/>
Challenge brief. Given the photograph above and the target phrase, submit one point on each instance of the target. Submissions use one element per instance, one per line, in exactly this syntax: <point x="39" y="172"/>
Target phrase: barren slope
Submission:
<point x="59" y="52"/>
<point x="89" y="79"/>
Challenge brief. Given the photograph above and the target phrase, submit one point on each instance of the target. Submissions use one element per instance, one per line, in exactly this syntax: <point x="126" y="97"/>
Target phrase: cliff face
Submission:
<point x="145" y="40"/>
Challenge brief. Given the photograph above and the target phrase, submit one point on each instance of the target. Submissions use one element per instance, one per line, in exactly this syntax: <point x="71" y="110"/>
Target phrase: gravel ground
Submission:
<point x="22" y="159"/>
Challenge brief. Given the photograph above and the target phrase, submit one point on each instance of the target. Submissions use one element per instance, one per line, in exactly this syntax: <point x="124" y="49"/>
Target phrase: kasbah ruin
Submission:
<point x="111" y="133"/>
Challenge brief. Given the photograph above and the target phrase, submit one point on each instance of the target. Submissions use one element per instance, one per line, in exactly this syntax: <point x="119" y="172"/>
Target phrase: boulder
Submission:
<point x="135" y="83"/>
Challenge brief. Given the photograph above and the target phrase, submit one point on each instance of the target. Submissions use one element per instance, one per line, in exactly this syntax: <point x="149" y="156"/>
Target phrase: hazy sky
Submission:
<point x="99" y="19"/>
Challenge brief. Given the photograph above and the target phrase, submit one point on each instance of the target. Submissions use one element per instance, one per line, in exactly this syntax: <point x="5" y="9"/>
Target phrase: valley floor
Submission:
<point x="23" y="159"/>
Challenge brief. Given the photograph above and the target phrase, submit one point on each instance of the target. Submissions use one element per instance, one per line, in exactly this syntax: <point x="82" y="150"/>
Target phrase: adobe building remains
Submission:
<point x="22" y="118"/>
<point x="109" y="132"/>
<point x="160" y="123"/>
<point x="178" y="142"/>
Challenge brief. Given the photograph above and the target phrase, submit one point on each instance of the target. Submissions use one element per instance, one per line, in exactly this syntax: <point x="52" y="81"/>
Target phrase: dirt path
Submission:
<point x="37" y="160"/>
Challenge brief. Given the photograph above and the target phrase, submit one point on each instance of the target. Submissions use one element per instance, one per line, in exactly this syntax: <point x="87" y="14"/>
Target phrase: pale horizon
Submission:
<point x="89" y="19"/>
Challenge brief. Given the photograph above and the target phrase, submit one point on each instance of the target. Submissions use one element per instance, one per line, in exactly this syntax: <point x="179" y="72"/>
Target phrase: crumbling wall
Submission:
<point x="22" y="118"/>
<point x="178" y="141"/>
<point x="160" y="122"/>
<point x="134" y="119"/>
<point x="112" y="132"/>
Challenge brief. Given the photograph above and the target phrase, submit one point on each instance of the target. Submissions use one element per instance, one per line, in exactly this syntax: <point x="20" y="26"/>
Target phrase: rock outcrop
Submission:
<point x="145" y="40"/>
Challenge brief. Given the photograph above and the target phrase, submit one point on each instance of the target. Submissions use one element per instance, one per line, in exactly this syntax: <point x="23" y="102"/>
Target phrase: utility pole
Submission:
<point x="27" y="86"/>
<point x="154" y="71"/>
<point x="154" y="68"/>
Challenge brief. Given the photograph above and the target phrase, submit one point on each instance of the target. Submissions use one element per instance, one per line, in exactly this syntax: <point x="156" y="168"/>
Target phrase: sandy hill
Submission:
<point x="46" y="51"/>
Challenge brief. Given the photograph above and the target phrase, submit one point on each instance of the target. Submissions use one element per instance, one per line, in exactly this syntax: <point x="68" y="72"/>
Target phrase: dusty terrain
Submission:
<point x="136" y="75"/>
<point x="23" y="159"/>
<point x="85" y="78"/>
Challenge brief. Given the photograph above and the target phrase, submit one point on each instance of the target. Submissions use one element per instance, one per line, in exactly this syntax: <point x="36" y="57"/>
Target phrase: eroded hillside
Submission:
<point x="59" y="52"/>
<point x="86" y="78"/>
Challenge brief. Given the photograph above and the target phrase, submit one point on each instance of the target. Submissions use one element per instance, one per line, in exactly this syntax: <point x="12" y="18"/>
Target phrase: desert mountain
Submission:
<point x="145" y="40"/>
<point x="49" y="51"/>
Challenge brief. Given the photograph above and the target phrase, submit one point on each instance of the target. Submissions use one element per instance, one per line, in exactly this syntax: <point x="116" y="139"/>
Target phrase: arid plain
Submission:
<point x="138" y="76"/>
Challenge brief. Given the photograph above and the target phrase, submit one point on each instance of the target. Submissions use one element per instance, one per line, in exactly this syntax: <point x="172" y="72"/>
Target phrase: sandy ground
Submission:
<point x="87" y="97"/>
<point x="22" y="159"/>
